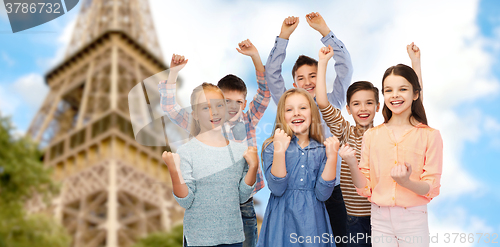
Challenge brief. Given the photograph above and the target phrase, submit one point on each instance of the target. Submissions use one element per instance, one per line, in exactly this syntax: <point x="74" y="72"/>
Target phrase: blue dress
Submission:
<point x="296" y="213"/>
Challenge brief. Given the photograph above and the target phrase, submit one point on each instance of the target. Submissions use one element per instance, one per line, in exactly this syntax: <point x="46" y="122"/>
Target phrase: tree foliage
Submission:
<point x="22" y="176"/>
<point x="162" y="239"/>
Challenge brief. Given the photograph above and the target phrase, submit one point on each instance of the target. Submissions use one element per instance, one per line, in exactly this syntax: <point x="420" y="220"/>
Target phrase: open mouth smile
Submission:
<point x="216" y="121"/>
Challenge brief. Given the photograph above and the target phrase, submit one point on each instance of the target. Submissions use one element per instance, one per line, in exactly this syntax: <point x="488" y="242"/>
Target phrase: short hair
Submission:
<point x="232" y="83"/>
<point x="303" y="60"/>
<point x="361" y="85"/>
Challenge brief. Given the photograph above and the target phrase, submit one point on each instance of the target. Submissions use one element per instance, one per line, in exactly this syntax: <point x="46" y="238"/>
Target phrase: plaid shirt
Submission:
<point x="257" y="107"/>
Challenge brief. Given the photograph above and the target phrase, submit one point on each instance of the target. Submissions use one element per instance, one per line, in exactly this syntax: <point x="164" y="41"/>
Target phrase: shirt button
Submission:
<point x="393" y="198"/>
<point x="301" y="179"/>
<point x="302" y="166"/>
<point x="302" y="153"/>
<point x="395" y="162"/>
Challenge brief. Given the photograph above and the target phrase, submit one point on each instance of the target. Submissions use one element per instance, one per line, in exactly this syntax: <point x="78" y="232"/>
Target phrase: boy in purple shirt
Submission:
<point x="304" y="76"/>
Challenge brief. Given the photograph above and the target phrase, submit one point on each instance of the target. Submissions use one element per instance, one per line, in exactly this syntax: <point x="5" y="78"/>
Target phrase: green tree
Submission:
<point x="162" y="239"/>
<point x="22" y="176"/>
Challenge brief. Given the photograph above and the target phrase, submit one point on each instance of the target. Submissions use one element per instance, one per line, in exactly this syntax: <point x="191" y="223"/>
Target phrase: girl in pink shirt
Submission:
<point x="401" y="163"/>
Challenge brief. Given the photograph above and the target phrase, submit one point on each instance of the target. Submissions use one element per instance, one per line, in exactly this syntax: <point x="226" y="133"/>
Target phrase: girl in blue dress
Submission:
<point x="300" y="173"/>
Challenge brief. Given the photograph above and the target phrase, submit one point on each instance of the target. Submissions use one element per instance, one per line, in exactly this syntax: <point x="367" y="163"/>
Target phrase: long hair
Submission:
<point x="315" y="130"/>
<point x="195" y="95"/>
<point x="417" y="108"/>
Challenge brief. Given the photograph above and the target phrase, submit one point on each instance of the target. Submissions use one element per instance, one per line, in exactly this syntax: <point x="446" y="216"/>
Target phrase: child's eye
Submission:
<point x="388" y="91"/>
<point x="240" y="102"/>
<point x="288" y="109"/>
<point x="370" y="103"/>
<point x="313" y="76"/>
<point x="221" y="105"/>
<point x="355" y="104"/>
<point x="227" y="101"/>
<point x="205" y="108"/>
<point x="403" y="89"/>
<point x="303" y="108"/>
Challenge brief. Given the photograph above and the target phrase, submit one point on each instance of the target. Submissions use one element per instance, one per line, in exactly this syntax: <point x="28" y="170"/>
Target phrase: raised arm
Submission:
<point x="276" y="58"/>
<point x="260" y="101"/>
<point x="325" y="53"/>
<point x="274" y="163"/>
<point x="174" y="111"/>
<point x="247" y="48"/>
<point x="343" y="63"/>
<point x="414" y="54"/>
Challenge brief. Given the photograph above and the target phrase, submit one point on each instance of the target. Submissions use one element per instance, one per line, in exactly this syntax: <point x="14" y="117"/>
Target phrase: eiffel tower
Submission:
<point x="114" y="190"/>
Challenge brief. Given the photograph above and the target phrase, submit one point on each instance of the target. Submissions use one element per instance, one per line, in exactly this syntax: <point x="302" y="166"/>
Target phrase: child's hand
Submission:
<point x="247" y="48"/>
<point x="288" y="26"/>
<point x="251" y="157"/>
<point x="348" y="154"/>
<point x="413" y="51"/>
<point x="281" y="140"/>
<point x="332" y="146"/>
<point x="325" y="53"/>
<point x="178" y="62"/>
<point x="172" y="160"/>
<point x="401" y="173"/>
<point x="316" y="21"/>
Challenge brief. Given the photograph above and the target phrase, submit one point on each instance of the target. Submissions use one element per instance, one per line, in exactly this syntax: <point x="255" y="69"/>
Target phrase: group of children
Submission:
<point x="375" y="193"/>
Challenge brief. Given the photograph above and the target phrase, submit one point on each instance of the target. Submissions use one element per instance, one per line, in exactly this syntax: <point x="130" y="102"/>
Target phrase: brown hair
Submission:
<point x="195" y="95"/>
<point x="232" y="83"/>
<point x="359" y="86"/>
<point x="315" y="130"/>
<point x="303" y="60"/>
<point x="417" y="108"/>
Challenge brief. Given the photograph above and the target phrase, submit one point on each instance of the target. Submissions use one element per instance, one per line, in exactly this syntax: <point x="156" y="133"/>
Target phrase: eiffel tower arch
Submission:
<point x="114" y="190"/>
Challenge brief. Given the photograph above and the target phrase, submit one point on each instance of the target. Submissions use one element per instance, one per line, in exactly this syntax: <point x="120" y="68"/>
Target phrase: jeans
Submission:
<point x="338" y="215"/>
<point x="400" y="226"/>
<point x="249" y="223"/>
<point x="361" y="228"/>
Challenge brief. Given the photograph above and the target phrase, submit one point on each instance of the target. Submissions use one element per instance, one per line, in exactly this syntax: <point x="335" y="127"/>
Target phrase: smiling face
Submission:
<point x="305" y="77"/>
<point x="210" y="111"/>
<point x="298" y="113"/>
<point x="363" y="107"/>
<point x="398" y="94"/>
<point x="236" y="103"/>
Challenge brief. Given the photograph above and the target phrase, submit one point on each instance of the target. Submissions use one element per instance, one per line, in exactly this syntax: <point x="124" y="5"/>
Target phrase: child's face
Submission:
<point x="298" y="113"/>
<point x="305" y="77"/>
<point x="363" y="107"/>
<point x="236" y="103"/>
<point x="398" y="94"/>
<point x="210" y="111"/>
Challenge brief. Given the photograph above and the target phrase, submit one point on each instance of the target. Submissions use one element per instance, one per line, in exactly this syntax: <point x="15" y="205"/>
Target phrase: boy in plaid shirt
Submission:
<point x="242" y="123"/>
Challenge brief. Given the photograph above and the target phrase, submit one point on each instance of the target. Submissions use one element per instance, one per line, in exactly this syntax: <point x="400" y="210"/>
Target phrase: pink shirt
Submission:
<point x="421" y="147"/>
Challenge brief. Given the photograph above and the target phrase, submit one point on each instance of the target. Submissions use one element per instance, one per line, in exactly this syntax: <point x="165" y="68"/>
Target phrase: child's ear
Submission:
<point x="294" y="85"/>
<point x="378" y="107"/>
<point x="416" y="95"/>
<point x="244" y="105"/>
<point x="348" y="109"/>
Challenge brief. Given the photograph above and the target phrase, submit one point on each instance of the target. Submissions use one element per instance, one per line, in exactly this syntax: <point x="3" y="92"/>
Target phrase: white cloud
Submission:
<point x="31" y="88"/>
<point x="62" y="42"/>
<point x="8" y="102"/>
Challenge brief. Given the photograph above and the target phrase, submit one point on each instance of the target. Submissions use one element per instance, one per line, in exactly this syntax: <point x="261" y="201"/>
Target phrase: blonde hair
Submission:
<point x="203" y="88"/>
<point x="315" y="129"/>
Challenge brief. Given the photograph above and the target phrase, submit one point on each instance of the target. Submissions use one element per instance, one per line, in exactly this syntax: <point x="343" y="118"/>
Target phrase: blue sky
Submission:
<point x="460" y="42"/>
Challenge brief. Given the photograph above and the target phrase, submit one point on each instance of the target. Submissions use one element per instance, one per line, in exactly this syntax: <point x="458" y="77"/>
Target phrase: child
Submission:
<point x="304" y="76"/>
<point x="215" y="177"/>
<point x="243" y="123"/>
<point x="300" y="173"/>
<point x="362" y="104"/>
<point x="401" y="164"/>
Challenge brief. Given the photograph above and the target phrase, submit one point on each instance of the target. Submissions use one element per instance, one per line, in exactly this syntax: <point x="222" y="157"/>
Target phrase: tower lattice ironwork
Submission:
<point x="114" y="190"/>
